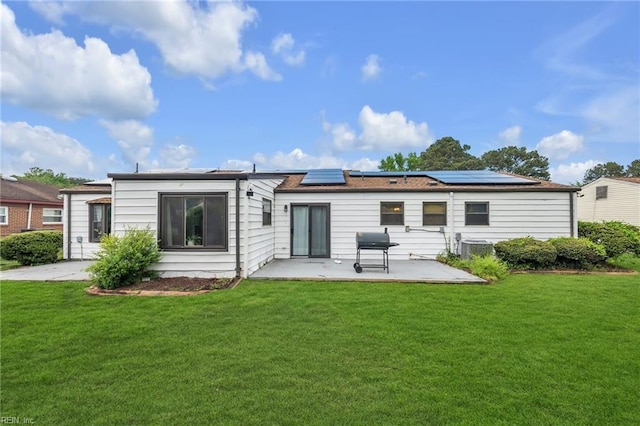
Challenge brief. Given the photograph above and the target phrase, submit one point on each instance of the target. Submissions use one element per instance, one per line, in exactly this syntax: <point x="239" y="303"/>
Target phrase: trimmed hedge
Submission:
<point x="125" y="260"/>
<point x="616" y="237"/>
<point x="32" y="248"/>
<point x="579" y="253"/>
<point x="526" y="253"/>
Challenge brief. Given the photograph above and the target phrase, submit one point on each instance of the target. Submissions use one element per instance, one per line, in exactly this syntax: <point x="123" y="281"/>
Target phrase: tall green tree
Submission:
<point x="633" y="169"/>
<point x="448" y="154"/>
<point x="48" y="176"/>
<point x="609" y="169"/>
<point x="517" y="160"/>
<point x="399" y="163"/>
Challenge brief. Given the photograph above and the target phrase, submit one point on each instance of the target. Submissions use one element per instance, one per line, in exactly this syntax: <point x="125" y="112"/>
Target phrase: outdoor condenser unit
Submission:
<point x="475" y="247"/>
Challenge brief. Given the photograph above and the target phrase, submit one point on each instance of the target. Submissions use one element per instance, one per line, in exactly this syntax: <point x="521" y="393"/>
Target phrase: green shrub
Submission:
<point x="32" y="248"/>
<point x="526" y="253"/>
<point x="616" y="237"/>
<point x="580" y="253"/>
<point x="125" y="260"/>
<point x="486" y="267"/>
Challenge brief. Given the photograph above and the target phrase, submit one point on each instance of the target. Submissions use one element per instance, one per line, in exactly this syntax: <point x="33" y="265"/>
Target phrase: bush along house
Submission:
<point x="230" y="223"/>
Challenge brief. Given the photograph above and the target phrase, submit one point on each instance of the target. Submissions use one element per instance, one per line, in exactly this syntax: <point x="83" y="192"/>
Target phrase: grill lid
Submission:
<point x="373" y="239"/>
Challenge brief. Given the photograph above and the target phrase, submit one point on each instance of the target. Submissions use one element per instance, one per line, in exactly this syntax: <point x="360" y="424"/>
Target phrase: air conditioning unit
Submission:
<point x="475" y="247"/>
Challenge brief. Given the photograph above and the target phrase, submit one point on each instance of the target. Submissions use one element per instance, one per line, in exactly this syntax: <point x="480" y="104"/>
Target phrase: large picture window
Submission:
<point x="476" y="213"/>
<point x="51" y="215"/>
<point x="193" y="221"/>
<point x="434" y="214"/>
<point x="99" y="221"/>
<point x="391" y="213"/>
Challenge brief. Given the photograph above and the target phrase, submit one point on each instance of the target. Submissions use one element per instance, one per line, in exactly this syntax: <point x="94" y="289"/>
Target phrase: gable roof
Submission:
<point x="28" y="191"/>
<point x="628" y="179"/>
<point x="413" y="182"/>
<point x="619" y="179"/>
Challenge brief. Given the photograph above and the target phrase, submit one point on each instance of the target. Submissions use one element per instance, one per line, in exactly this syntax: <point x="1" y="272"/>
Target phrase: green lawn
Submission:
<point x="532" y="349"/>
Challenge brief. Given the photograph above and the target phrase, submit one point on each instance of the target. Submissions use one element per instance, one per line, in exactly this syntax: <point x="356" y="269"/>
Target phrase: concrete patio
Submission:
<point x="422" y="271"/>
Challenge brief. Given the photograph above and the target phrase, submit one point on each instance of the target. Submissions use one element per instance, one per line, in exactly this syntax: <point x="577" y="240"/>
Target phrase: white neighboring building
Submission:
<point x="230" y="223"/>
<point x="607" y="199"/>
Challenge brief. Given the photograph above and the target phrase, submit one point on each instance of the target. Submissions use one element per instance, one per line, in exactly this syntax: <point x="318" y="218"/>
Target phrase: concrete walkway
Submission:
<point x="68" y="270"/>
<point x="426" y="271"/>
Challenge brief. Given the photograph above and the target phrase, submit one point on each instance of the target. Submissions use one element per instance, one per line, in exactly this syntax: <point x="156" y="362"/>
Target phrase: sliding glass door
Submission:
<point x="310" y="230"/>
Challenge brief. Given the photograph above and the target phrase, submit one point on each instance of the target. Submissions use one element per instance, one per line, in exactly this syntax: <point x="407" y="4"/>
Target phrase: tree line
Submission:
<point x="48" y="176"/>
<point x="449" y="154"/>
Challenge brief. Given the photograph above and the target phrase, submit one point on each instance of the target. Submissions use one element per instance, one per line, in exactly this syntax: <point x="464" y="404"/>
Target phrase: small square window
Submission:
<point x="391" y="213"/>
<point x="266" y="212"/>
<point x="434" y="214"/>
<point x="476" y="213"/>
<point x="601" y="192"/>
<point x="51" y="215"/>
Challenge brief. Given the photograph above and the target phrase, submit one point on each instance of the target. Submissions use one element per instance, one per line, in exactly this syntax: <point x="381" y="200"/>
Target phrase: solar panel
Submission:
<point x="323" y="177"/>
<point x="478" y="177"/>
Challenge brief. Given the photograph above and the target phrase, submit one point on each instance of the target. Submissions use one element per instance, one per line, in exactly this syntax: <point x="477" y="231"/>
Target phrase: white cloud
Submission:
<point x="380" y="131"/>
<point x="25" y="146"/>
<point x="257" y="64"/>
<point x="560" y="145"/>
<point x="51" y="73"/>
<point x="391" y="130"/>
<point x="134" y="139"/>
<point x="176" y="156"/>
<point x="283" y="45"/>
<point x="297" y="159"/>
<point x="371" y="68"/>
<point x="510" y="136"/>
<point x="202" y="40"/>
<point x="236" y="165"/>
<point x="572" y="172"/>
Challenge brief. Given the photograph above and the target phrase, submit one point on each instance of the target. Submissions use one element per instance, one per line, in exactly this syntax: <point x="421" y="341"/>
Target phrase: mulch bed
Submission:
<point x="175" y="286"/>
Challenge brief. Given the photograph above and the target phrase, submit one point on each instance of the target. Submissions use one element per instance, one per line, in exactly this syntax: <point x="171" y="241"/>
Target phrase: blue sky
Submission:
<point x="94" y="87"/>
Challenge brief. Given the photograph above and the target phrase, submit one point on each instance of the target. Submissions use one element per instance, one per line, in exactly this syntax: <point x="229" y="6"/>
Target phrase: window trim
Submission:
<point x="44" y="209"/>
<point x="187" y="248"/>
<point x="106" y="224"/>
<point x="269" y="214"/>
<point x="6" y="215"/>
<point x="444" y="215"/>
<point x="466" y="213"/>
<point x="600" y="190"/>
<point x="385" y="215"/>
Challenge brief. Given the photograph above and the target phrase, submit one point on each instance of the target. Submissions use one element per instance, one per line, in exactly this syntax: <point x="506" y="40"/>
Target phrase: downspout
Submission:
<point x="572" y="214"/>
<point x="246" y="234"/>
<point x="68" y="209"/>
<point x="29" y="215"/>
<point x="452" y="231"/>
<point x="238" y="270"/>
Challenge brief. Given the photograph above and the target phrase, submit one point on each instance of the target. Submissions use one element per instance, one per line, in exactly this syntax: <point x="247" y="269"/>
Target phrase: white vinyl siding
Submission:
<point x="79" y="226"/>
<point x="135" y="204"/>
<point x="542" y="215"/>
<point x="622" y="201"/>
<point x="51" y="216"/>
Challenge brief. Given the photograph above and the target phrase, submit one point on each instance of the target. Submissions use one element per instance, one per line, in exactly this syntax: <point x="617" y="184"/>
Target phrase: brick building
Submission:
<point x="28" y="205"/>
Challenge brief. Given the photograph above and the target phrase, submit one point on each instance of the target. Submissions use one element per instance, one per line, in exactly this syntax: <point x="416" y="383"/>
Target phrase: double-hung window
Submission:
<point x="391" y="213"/>
<point x="266" y="212"/>
<point x="4" y="215"/>
<point x="99" y="221"/>
<point x="476" y="213"/>
<point x="189" y="221"/>
<point x="434" y="213"/>
<point x="51" y="216"/>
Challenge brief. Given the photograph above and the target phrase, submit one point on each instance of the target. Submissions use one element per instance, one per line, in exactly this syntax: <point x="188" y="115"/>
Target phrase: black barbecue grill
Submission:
<point x="373" y="241"/>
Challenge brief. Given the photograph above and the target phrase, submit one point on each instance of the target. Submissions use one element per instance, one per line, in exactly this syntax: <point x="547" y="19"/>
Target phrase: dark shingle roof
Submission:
<point x="28" y="191"/>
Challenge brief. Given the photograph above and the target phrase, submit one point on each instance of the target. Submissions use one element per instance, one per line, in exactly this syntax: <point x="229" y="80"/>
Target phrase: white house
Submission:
<point x="615" y="198"/>
<point x="229" y="223"/>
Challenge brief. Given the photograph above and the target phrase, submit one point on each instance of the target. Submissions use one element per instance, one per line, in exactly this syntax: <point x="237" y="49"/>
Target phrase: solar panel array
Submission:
<point x="324" y="177"/>
<point x="454" y="177"/>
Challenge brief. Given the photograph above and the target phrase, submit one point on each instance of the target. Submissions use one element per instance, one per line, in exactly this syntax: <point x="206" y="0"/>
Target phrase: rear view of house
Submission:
<point x="26" y="205"/>
<point x="610" y="199"/>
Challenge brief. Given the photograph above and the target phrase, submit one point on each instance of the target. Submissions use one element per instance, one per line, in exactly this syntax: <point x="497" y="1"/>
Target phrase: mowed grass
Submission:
<point x="532" y="349"/>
